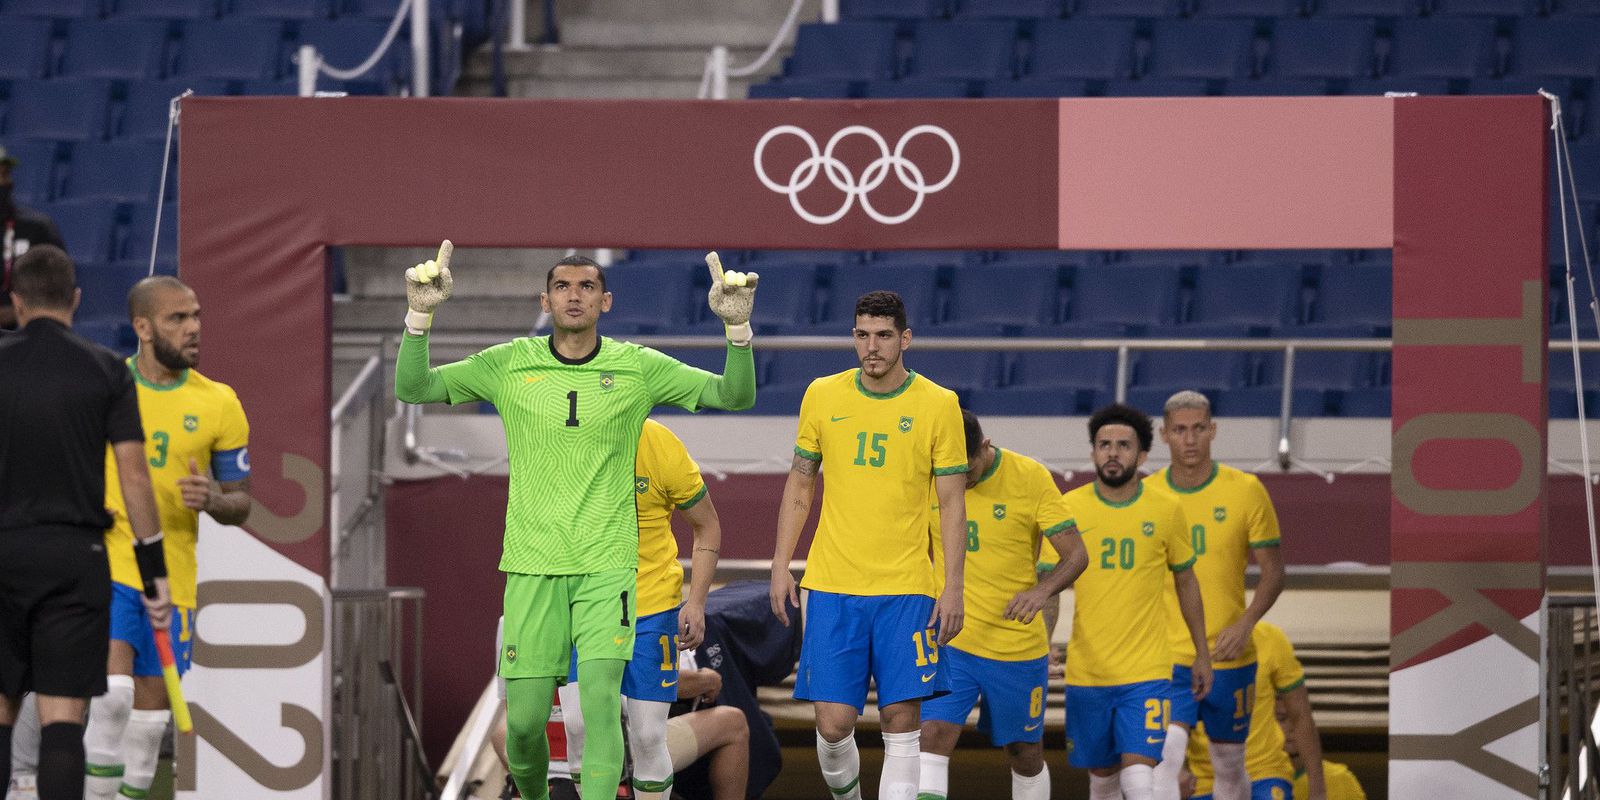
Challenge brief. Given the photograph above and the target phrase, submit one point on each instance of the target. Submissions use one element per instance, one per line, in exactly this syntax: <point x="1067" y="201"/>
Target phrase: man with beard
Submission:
<point x="892" y="439"/>
<point x="20" y="229"/>
<point x="1119" y="663"/>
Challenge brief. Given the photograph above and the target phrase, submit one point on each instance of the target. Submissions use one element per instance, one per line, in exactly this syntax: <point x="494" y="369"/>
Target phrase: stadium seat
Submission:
<point x="894" y="9"/>
<point x="348" y="43"/>
<point x="1410" y="85"/>
<point x="1368" y="8"/>
<point x="1207" y="369"/>
<point x="1320" y="257"/>
<point x="1452" y="47"/>
<point x="1322" y="48"/>
<point x="1029" y="401"/>
<point x="1274" y="87"/>
<point x="231" y="50"/>
<point x="917" y="286"/>
<point x="1129" y="8"/>
<point x="848" y="50"/>
<point x="1355" y="294"/>
<point x="1057" y="258"/>
<point x="144" y="111"/>
<point x="1260" y="295"/>
<point x="651" y="296"/>
<point x="27" y="50"/>
<point x="1576" y="7"/>
<point x="912" y="88"/>
<point x="123" y="49"/>
<point x="760" y="259"/>
<point x="961" y="370"/>
<point x="105" y="290"/>
<point x="268" y="88"/>
<point x="1564" y="46"/>
<point x="1323" y="369"/>
<point x="142" y="226"/>
<point x="1586" y="172"/>
<point x="87" y="226"/>
<point x="1373" y="402"/>
<point x="1094" y="49"/>
<point x="1267" y="401"/>
<point x="1487" y="8"/>
<point x="116" y="336"/>
<point x="1036" y="87"/>
<point x="125" y="171"/>
<point x="169" y="9"/>
<point x="1562" y="375"/>
<point x="61" y="109"/>
<point x="964" y="49"/>
<point x="55" y="9"/>
<point x="643" y="255"/>
<point x="1158" y="87"/>
<point x="1010" y="9"/>
<point x="807" y="89"/>
<point x="282" y="9"/>
<point x="1151" y="399"/>
<point x="1183" y="258"/>
<point x="788" y="298"/>
<point x="801" y="367"/>
<point x="1066" y="369"/>
<point x="1248" y="8"/>
<point x="1129" y="296"/>
<point x="34" y="175"/>
<point x="926" y="257"/>
<point x="1205" y="49"/>
<point x="1010" y="296"/>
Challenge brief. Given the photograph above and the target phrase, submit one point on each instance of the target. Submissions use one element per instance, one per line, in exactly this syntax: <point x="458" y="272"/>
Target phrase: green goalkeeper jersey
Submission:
<point x="572" y="430"/>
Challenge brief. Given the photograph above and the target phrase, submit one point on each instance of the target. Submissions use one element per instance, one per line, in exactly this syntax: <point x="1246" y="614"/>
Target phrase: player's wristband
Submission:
<point x="418" y="322"/>
<point x="740" y="335"/>
<point x="152" y="561"/>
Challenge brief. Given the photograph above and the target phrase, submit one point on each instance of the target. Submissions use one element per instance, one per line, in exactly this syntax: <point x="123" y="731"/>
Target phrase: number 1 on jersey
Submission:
<point x="572" y="408"/>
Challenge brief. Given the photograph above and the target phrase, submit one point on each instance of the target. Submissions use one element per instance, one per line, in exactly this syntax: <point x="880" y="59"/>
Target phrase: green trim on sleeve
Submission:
<point x="1264" y="543"/>
<point x="1060" y="528"/>
<point x="1185" y="565"/>
<point x="939" y="472"/>
<point x="1291" y="687"/>
<point x="698" y="496"/>
<point x="807" y="454"/>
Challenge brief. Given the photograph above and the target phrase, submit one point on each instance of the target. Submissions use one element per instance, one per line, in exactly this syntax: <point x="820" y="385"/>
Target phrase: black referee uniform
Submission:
<point x="62" y="398"/>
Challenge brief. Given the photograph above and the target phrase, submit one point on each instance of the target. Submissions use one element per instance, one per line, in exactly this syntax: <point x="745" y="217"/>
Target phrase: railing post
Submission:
<point x="719" y="72"/>
<point x="518" y="35"/>
<point x="1285" y="458"/>
<point x="1122" y="373"/>
<point x="310" y="64"/>
<point x="419" y="48"/>
<point x="830" y="10"/>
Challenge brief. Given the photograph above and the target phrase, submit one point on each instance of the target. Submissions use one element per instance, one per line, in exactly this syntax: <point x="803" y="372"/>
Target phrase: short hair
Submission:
<point x="576" y="261"/>
<point x="883" y="303"/>
<point x="1121" y="414"/>
<point x="974" y="431"/>
<point x="141" y="298"/>
<point x="44" y="278"/>
<point x="1188" y="398"/>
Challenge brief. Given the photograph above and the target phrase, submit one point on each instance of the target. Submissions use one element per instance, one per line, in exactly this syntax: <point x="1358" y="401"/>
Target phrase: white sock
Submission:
<point x="141" y="748"/>
<point x="1172" y="756"/>
<point x="102" y="738"/>
<point x="841" y="766"/>
<point x="1036" y="787"/>
<point x="902" y="753"/>
<point x="1232" y="782"/>
<point x="25" y="738"/>
<point x="1105" y="788"/>
<point x="647" y="736"/>
<point x="1137" y="780"/>
<point x="572" y="720"/>
<point x="935" y="782"/>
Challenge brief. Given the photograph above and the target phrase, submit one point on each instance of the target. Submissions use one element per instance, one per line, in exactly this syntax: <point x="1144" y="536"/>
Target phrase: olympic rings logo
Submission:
<point x="822" y="162"/>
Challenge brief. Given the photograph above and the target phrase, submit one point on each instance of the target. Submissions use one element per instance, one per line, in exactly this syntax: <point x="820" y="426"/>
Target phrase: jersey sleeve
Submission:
<point x="949" y="437"/>
<point x="230" y="453"/>
<point x="670" y="381"/>
<point x="1263" y="519"/>
<point x="122" y="415"/>
<point x="1180" y="551"/>
<point x="684" y="485"/>
<point x="1274" y="652"/>
<point x="475" y="377"/>
<point x="1053" y="515"/>
<point x="808" y="440"/>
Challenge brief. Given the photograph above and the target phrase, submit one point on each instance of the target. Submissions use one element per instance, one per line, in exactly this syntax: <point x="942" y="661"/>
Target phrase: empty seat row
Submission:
<point x="1050" y="9"/>
<point x="205" y="9"/>
<point x="100" y="231"/>
<point x="115" y="171"/>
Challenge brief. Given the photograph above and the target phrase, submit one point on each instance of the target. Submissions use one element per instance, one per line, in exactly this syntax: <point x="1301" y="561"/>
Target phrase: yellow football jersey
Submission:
<point x="194" y="418"/>
<point x="1277" y="672"/>
<point x="1340" y="781"/>
<point x="1013" y="507"/>
<point x="879" y="453"/>
<point x="1229" y="515"/>
<point x="665" y="478"/>
<point x="1119" y="624"/>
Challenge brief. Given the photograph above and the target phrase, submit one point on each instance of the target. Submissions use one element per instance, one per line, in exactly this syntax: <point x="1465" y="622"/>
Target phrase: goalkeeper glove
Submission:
<point x="732" y="298"/>
<point x="427" y="285"/>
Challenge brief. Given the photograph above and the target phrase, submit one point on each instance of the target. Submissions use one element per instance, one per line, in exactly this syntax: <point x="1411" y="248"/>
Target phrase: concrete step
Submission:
<point x="608" y="62"/>
<point x="490" y="317"/>
<point x="374" y="272"/>
<point x="601" y="88"/>
<point x="628" y="23"/>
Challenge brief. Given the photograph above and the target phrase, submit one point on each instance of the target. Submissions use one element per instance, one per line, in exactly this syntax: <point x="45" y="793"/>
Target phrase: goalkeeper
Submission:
<point x="573" y="404"/>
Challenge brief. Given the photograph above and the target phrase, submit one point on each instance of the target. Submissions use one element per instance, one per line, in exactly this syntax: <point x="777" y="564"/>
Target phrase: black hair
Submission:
<point x="141" y="300"/>
<point x="576" y="261"/>
<point x="883" y="303"/>
<point x="969" y="421"/>
<point x="44" y="278"/>
<point x="1120" y="414"/>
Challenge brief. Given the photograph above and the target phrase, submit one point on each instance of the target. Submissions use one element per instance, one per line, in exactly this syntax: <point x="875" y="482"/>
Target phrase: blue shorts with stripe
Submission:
<point x="853" y="639"/>
<point x="130" y="623"/>
<point x="652" y="674"/>
<point x="1009" y="695"/>
<point x="1266" y="789"/>
<point x="1225" y="709"/>
<point x="1106" y="722"/>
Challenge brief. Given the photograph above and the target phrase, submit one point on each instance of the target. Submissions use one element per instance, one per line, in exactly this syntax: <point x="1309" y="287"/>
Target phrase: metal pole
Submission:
<point x="830" y="10"/>
<point x="310" y="63"/>
<point x="519" y="26"/>
<point x="419" y="48"/>
<point x="1285" y="458"/>
<point x="1122" y="373"/>
<point x="719" y="72"/>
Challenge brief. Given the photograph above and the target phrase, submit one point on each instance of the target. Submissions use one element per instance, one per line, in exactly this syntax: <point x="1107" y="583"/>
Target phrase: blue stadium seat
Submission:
<point x="27" y="50"/>
<point x="1356" y="294"/>
<point x="1576" y="7"/>
<point x="169" y="9"/>
<point x="643" y="255"/>
<point x="933" y="88"/>
<point x="87" y="226"/>
<point x="1560" y="87"/>
<point x="1055" y="258"/>
<point x="894" y="9"/>
<point x="1129" y="8"/>
<point x="1097" y="49"/>
<point x="808" y="89"/>
<point x="1487" y="8"/>
<point x="1205" y="49"/>
<point x="1318" y="257"/>
<point x="1373" y="402"/>
<point x="1368" y="8"/>
<point x="1028" y="401"/>
<point x="1451" y="47"/>
<point x="1207" y="369"/>
<point x="761" y="259"/>
<point x="1069" y="369"/>
<point x="1263" y="295"/>
<point x="142" y="226"/>
<point x="926" y="257"/>
<point x="144" y="111"/>
<point x="268" y="88"/>
<point x="34" y="175"/>
<point x="1379" y="86"/>
<point x="801" y="367"/>
<point x="65" y="110"/>
<point x="124" y="49"/>
<point x="651" y="296"/>
<point x="231" y="50"/>
<point x="115" y="336"/>
<point x="1562" y="377"/>
<point x="917" y="286"/>
<point x="1010" y="9"/>
<point x="283" y="9"/>
<point x="1322" y="48"/>
<point x="1562" y="46"/>
<point x="1005" y="295"/>
<point x="1183" y="258"/>
<point x="105" y="290"/>
<point x="849" y="50"/>
<point x="964" y="49"/>
<point x="1158" y="87"/>
<point x="55" y="9"/>
<point x="1248" y="8"/>
<point x="349" y="42"/>
<point x="125" y="171"/>
<point x="1586" y="172"/>
<point x="1267" y="401"/>
<point x="1151" y="399"/>
<point x="1036" y="87"/>
<point x="957" y="369"/>
<point x="1275" y="87"/>
<point x="1124" y="295"/>
<point x="1323" y="369"/>
<point x="788" y="298"/>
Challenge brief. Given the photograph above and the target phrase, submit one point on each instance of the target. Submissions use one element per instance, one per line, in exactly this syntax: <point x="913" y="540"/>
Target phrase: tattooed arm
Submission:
<point x="798" y="491"/>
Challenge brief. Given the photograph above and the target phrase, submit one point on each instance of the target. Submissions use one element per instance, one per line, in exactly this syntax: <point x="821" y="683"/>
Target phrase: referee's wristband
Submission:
<point x="152" y="561"/>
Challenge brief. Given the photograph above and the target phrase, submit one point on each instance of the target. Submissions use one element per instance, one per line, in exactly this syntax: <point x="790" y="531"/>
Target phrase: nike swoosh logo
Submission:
<point x="928" y="677"/>
<point x="532" y="378"/>
<point x="619" y="640"/>
<point x="666" y="685"/>
<point x="1154" y="739"/>
<point x="1033" y="727"/>
<point x="837" y="419"/>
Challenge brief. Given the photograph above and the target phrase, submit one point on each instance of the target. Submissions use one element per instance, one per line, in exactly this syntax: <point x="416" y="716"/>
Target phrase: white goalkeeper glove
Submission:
<point x="427" y="285"/>
<point x="732" y="298"/>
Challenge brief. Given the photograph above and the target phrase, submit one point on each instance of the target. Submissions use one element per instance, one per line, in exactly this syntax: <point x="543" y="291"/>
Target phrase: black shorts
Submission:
<point x="55" y="612"/>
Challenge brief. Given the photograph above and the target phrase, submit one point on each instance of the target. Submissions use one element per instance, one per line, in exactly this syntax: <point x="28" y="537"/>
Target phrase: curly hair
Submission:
<point x="883" y="303"/>
<point x="1120" y="414"/>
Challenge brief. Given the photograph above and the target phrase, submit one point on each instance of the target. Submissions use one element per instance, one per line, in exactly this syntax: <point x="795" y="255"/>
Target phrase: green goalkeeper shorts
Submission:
<point x="546" y="615"/>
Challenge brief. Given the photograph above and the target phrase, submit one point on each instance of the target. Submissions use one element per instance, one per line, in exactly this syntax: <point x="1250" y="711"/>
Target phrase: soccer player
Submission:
<point x="890" y="439"/>
<point x="666" y="479"/>
<point x="1118" y="659"/>
<point x="1002" y="654"/>
<point x="1230" y="517"/>
<point x="573" y="404"/>
<point x="1280" y="684"/>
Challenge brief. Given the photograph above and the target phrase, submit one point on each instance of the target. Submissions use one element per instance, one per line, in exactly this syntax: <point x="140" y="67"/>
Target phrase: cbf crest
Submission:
<point x="999" y="510"/>
<point x="905" y="424"/>
<point x="1148" y="528"/>
<point x="641" y="483"/>
<point x="1220" y="513"/>
<point x="191" y="423"/>
<point x="608" y="381"/>
<point x="511" y="653"/>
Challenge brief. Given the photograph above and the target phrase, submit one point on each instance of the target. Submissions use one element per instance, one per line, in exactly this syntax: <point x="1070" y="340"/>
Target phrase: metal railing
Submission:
<point x="377" y="696"/>
<point x="355" y="502"/>
<point x="311" y="66"/>
<point x="1571" y="694"/>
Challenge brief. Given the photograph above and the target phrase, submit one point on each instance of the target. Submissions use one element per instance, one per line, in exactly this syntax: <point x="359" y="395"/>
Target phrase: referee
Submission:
<point x="62" y="399"/>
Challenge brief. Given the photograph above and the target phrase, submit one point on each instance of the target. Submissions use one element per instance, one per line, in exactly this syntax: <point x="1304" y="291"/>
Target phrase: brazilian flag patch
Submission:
<point x="511" y="653"/>
<point x="191" y="423"/>
<point x="641" y="483"/>
<point x="1220" y="513"/>
<point x="607" y="381"/>
<point x="905" y="424"/>
<point x="1148" y="529"/>
<point x="999" y="510"/>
